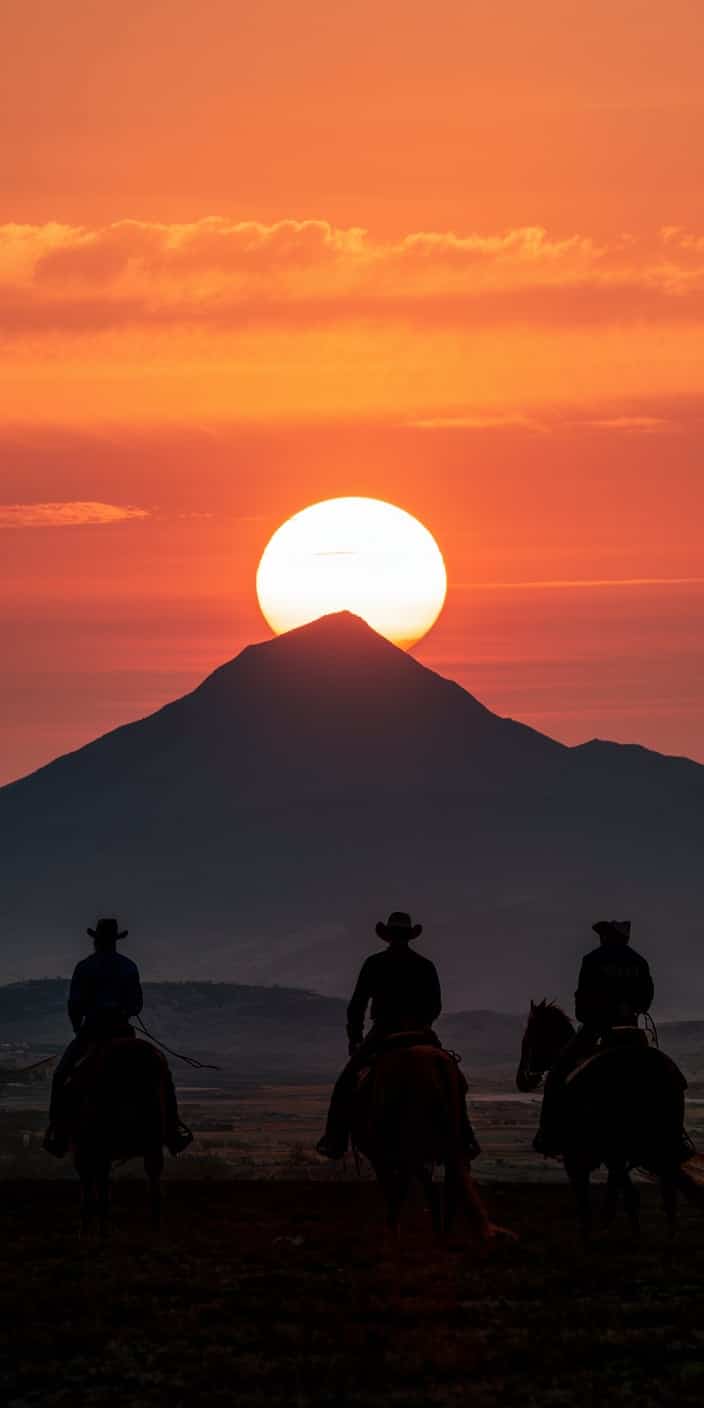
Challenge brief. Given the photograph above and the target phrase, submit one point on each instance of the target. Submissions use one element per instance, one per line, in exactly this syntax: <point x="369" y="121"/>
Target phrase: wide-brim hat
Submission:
<point x="613" y="929"/>
<point x="398" y="926"/>
<point x="107" y="929"/>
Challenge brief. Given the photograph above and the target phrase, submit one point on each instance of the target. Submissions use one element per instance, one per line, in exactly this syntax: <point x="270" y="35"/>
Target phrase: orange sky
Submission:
<point x="452" y="256"/>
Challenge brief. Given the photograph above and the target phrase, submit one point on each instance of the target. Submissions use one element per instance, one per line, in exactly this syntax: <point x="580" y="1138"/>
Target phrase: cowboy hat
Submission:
<point x="613" y="929"/>
<point x="398" y="926"/>
<point x="107" y="929"/>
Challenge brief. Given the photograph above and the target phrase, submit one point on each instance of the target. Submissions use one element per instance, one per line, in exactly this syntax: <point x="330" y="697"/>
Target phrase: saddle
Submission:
<point x="421" y="1036"/>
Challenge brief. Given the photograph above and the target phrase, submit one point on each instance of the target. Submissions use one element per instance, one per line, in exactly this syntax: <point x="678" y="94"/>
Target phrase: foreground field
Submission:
<point x="277" y="1293"/>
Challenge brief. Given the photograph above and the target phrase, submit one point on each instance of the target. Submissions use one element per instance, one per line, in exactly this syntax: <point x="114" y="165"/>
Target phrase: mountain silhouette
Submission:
<point x="256" y="829"/>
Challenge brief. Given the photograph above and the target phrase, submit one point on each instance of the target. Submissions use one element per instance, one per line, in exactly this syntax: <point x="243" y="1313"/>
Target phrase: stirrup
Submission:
<point x="180" y="1139"/>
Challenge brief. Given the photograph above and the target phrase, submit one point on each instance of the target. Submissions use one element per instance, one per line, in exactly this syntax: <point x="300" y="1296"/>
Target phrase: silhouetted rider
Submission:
<point x="615" y="983"/>
<point x="614" y="987"/>
<point x="105" y="988"/>
<point x="105" y="992"/>
<point x="402" y="990"/>
<point x="400" y="986"/>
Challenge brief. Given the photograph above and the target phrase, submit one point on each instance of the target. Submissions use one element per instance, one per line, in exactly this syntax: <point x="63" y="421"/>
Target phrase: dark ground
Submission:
<point x="277" y="1293"/>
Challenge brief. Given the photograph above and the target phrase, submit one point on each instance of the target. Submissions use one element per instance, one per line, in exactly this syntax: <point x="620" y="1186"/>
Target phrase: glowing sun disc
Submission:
<point x="353" y="554"/>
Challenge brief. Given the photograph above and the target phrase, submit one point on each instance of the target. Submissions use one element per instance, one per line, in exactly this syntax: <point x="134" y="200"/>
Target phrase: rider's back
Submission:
<point x="104" y="984"/>
<point x="403" y="989"/>
<point x="615" y="985"/>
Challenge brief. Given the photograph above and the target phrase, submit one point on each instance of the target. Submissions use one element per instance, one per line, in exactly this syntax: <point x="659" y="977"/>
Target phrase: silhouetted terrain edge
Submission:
<point x="287" y="1033"/>
<point x="256" y="829"/>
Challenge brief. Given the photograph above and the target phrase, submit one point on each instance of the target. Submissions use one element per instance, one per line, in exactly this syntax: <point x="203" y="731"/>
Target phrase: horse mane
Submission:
<point x="549" y="1008"/>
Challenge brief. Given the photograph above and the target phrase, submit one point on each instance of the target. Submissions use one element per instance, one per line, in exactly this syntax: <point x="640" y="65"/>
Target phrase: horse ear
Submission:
<point x="532" y="1005"/>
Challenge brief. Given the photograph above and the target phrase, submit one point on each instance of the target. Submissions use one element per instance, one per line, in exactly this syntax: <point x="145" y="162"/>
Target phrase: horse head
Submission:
<point x="547" y="1031"/>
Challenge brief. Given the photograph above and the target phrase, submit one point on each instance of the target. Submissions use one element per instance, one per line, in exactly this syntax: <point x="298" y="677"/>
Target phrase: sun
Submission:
<point x="353" y="554"/>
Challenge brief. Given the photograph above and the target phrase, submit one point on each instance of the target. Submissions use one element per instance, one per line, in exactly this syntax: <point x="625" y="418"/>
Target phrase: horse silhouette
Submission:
<point x="406" y="1119"/>
<point x="116" y="1112"/>
<point x="622" y="1108"/>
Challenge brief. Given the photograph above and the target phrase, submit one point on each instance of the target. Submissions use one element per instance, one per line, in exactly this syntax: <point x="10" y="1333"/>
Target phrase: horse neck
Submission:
<point x="549" y="1030"/>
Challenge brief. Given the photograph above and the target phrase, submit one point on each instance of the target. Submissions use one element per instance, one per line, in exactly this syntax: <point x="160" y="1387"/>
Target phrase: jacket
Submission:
<point x="403" y="988"/>
<point x="614" y="986"/>
<point x="104" y="986"/>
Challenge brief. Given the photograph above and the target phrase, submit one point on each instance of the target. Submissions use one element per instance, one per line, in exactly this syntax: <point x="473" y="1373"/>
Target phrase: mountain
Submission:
<point x="285" y="1034"/>
<point x="255" y="830"/>
<point x="255" y="1033"/>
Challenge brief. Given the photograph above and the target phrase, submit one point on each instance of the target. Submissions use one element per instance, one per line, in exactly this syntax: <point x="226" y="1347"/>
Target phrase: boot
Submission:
<point x="331" y="1149"/>
<point x="179" y="1138"/>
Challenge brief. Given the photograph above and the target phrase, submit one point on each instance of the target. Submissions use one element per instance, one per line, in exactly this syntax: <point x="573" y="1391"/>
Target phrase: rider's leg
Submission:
<point x="56" y="1139"/>
<point x="337" y="1128"/>
<point x="577" y="1049"/>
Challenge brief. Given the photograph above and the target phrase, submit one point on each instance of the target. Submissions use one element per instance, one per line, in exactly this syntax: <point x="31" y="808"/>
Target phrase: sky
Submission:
<point x="451" y="256"/>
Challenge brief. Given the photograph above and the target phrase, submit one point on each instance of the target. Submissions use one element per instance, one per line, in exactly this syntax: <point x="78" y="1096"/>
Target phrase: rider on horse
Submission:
<point x="615" y="986"/>
<point x="403" y="989"/>
<point x="105" y="992"/>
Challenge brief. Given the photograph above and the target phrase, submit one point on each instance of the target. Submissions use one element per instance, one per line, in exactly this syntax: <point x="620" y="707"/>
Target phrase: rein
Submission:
<point x="22" y="1070"/>
<point x="191" y="1061"/>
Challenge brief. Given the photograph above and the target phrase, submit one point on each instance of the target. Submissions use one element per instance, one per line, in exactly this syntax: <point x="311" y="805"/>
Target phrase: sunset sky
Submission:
<point x="448" y="255"/>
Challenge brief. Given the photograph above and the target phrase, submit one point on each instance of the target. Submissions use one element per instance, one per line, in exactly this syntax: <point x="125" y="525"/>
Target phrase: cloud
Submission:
<point x="215" y="273"/>
<point x="78" y="514"/>
<point x="574" y="584"/>
<point x="649" y="425"/>
<point x="479" y="422"/>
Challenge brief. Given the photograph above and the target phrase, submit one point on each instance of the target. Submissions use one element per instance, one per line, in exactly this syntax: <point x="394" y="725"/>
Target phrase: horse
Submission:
<point x="621" y="1107"/>
<point x="407" y="1118"/>
<point x="115" y="1112"/>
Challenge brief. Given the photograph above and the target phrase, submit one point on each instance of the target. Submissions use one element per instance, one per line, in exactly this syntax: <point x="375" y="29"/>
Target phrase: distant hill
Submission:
<point x="254" y="830"/>
<point x="283" y="1033"/>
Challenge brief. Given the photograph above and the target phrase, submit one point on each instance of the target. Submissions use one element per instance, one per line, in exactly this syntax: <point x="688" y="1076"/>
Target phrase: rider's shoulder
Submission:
<point x="594" y="956"/>
<point x="127" y="965"/>
<point x="421" y="960"/>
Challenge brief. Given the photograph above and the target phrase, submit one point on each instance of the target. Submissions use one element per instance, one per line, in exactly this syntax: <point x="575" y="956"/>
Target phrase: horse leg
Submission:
<point x="613" y="1187"/>
<point x="578" y="1174"/>
<point x="432" y="1197"/>
<point x="153" y="1167"/>
<point x="102" y="1184"/>
<point x="87" y="1185"/>
<point x="394" y="1184"/>
<point x="87" y="1203"/>
<point x="631" y="1201"/>
<point x="668" y="1189"/>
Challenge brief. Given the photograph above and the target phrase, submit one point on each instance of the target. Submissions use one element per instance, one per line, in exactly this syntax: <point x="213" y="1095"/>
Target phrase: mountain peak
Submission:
<point x="337" y="630"/>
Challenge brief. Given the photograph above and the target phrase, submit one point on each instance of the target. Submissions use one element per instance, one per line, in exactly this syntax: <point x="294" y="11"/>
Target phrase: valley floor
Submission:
<point x="278" y="1293"/>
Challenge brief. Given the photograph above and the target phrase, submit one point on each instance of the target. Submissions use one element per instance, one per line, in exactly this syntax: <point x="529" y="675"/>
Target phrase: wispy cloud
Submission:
<point x="478" y="422"/>
<point x="574" y="584"/>
<point x="648" y="425"/>
<point x="73" y="514"/>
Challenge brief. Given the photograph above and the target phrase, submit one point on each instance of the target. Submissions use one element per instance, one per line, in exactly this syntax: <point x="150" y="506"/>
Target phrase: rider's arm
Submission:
<point x="434" y="995"/>
<point x="358" y="1006"/>
<point x="134" y="1000"/>
<point x="646" y="990"/>
<point x="583" y="994"/>
<point x="76" y="1000"/>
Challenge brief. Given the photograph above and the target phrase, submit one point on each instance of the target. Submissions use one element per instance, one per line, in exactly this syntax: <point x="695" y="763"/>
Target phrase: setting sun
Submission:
<point x="353" y="554"/>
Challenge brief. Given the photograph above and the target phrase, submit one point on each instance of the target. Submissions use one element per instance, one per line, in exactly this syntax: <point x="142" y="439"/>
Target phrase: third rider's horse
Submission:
<point x="622" y="1108"/>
